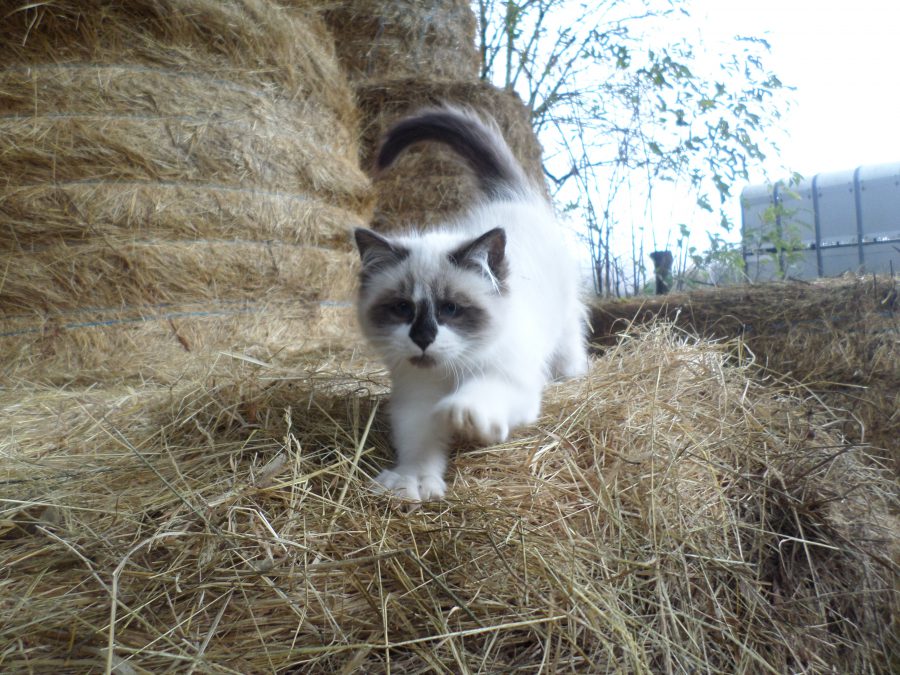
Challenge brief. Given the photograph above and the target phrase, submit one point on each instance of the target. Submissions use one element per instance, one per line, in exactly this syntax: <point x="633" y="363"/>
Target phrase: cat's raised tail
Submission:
<point x="479" y="143"/>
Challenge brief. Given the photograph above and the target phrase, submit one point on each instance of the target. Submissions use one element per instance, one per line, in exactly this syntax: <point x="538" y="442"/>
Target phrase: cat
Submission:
<point x="472" y="318"/>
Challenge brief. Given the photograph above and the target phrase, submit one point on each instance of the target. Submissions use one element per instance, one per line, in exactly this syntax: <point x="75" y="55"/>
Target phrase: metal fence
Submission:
<point x="832" y="223"/>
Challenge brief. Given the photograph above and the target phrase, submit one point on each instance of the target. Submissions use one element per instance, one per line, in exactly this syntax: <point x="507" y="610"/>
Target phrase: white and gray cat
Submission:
<point x="471" y="318"/>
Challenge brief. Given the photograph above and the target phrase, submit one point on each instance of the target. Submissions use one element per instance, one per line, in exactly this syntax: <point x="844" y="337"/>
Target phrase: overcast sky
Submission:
<point x="843" y="59"/>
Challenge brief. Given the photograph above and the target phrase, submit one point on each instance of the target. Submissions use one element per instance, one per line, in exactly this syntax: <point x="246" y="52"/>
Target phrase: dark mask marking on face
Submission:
<point x="462" y="316"/>
<point x="458" y="311"/>
<point x="390" y="311"/>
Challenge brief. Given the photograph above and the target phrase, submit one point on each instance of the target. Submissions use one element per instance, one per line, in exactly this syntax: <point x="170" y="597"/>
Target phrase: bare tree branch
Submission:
<point x="615" y="102"/>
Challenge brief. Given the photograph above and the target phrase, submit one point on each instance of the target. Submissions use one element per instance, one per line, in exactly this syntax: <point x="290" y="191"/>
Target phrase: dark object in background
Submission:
<point x="662" y="262"/>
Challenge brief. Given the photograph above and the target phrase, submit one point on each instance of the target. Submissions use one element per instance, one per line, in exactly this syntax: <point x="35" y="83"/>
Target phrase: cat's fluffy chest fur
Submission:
<point x="473" y="318"/>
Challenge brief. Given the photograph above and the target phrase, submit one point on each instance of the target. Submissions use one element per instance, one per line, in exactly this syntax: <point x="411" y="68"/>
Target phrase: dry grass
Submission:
<point x="840" y="337"/>
<point x="186" y="430"/>
<point x="120" y="211"/>
<point x="172" y="151"/>
<point x="668" y="513"/>
<point x="424" y="39"/>
<point x="429" y="183"/>
<point x="234" y="44"/>
<point x="166" y="344"/>
<point x="131" y="273"/>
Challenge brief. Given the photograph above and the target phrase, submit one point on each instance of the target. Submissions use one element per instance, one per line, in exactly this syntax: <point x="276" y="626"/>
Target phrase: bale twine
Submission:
<point x="430" y="183"/>
<point x="160" y="155"/>
<point x="425" y="39"/>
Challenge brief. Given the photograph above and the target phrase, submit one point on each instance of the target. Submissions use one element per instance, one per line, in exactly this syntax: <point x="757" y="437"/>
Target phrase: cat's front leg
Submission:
<point x="487" y="408"/>
<point x="570" y="360"/>
<point x="420" y="445"/>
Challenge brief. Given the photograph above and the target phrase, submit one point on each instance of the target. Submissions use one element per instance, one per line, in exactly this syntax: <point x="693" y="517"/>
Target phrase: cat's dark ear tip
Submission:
<point x="373" y="246"/>
<point x="364" y="236"/>
<point x="496" y="237"/>
<point x="365" y="239"/>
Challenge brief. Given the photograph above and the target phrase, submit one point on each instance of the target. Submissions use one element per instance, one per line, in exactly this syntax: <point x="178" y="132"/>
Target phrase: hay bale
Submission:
<point x="669" y="512"/>
<point x="121" y="211"/>
<point x="428" y="40"/>
<point x="216" y="150"/>
<point x="171" y="152"/>
<point x="430" y="183"/>
<point x="839" y="337"/>
<point x="253" y="45"/>
<point x="402" y="56"/>
<point x="166" y="343"/>
<point x="134" y="273"/>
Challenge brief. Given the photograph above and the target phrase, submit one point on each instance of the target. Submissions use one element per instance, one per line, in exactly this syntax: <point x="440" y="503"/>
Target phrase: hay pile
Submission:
<point x="403" y="56"/>
<point x="668" y="513"/>
<point x="187" y="430"/>
<point x="425" y="39"/>
<point x="840" y="337"/>
<point x="169" y="160"/>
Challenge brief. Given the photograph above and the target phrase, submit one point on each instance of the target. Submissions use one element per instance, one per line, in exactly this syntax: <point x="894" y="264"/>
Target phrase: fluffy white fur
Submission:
<point x="475" y="386"/>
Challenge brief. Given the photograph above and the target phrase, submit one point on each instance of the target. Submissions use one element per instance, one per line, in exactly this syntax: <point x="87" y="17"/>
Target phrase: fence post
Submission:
<point x="662" y="269"/>
<point x="857" y="203"/>
<point x="817" y="222"/>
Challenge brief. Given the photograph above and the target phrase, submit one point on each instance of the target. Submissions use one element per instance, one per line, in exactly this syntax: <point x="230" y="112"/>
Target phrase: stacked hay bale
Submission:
<point x="412" y="55"/>
<point x="423" y="39"/>
<point x="179" y="177"/>
<point x="840" y="337"/>
<point x="668" y="512"/>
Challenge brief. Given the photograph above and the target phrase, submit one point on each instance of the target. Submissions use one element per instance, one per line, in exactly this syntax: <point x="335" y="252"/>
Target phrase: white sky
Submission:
<point x="843" y="58"/>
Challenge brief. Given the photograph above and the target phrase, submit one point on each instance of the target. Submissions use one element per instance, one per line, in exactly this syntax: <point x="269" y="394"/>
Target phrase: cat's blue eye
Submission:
<point x="448" y="309"/>
<point x="403" y="309"/>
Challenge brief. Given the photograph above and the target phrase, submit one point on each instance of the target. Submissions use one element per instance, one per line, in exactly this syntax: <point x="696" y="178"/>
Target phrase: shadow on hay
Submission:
<point x="823" y="550"/>
<point x="320" y="418"/>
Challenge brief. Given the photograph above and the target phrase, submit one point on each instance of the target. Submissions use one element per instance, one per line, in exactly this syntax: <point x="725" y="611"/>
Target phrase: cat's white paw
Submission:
<point x="473" y="420"/>
<point x="411" y="484"/>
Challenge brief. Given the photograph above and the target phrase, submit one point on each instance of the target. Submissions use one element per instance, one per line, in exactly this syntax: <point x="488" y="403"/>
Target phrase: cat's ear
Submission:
<point x="486" y="254"/>
<point x="376" y="252"/>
